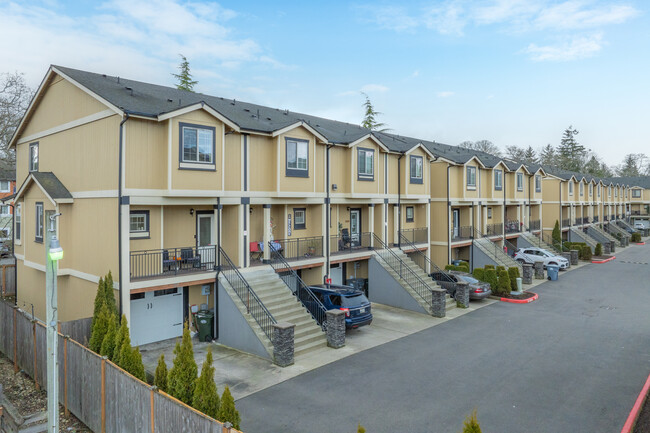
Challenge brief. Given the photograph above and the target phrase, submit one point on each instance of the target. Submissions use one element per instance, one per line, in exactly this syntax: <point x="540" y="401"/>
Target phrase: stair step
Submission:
<point x="309" y="347"/>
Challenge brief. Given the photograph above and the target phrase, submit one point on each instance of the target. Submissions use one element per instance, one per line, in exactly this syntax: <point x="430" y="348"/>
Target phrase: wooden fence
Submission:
<point x="7" y="280"/>
<point x="103" y="396"/>
<point x="78" y="330"/>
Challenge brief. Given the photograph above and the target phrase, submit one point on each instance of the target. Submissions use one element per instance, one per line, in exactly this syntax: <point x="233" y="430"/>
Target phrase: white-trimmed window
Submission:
<point x="570" y="188"/>
<point x="591" y="190"/>
<point x="410" y="214"/>
<point x="582" y="189"/>
<point x="197" y="146"/>
<point x="18" y="219"/>
<point x="39" y="222"/>
<point x="299" y="220"/>
<point x="520" y="181"/>
<point x="297" y="158"/>
<point x="598" y="190"/>
<point x="636" y="193"/>
<point x="5" y="186"/>
<point x="471" y="177"/>
<point x="366" y="164"/>
<point x="416" y="163"/>
<point x="609" y="192"/>
<point x="615" y="192"/>
<point x="139" y="224"/>
<point x="498" y="179"/>
<point x="538" y="183"/>
<point x="33" y="156"/>
<point x="5" y="210"/>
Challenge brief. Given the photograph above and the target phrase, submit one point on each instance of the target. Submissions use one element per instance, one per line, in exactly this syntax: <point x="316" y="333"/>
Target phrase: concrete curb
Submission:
<point x="518" y="301"/>
<point x="636" y="409"/>
<point x="598" y="262"/>
<point x="639" y="243"/>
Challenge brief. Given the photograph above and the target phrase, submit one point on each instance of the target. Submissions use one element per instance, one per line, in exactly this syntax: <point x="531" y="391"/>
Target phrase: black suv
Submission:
<point x="358" y="311"/>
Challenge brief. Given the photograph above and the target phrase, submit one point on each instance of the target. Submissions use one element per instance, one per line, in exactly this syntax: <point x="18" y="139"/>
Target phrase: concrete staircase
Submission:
<point x="496" y="254"/>
<point x="284" y="307"/>
<point x="537" y="241"/>
<point x="612" y="228"/>
<point x="406" y="261"/>
<point x="585" y="237"/>
<point x="624" y="224"/>
<point x="602" y="234"/>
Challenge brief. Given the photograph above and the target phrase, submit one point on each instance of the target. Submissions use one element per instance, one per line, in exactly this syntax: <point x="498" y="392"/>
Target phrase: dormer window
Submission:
<point x="297" y="157"/>
<point x="520" y="181"/>
<point x="366" y="164"/>
<point x="416" y="165"/>
<point x="498" y="180"/>
<point x="197" y="147"/>
<point x="471" y="177"/>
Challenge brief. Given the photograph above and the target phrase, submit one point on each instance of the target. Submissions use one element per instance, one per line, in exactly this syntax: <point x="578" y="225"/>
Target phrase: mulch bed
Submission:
<point x="525" y="295"/>
<point x="603" y="257"/>
<point x="21" y="391"/>
<point x="643" y="421"/>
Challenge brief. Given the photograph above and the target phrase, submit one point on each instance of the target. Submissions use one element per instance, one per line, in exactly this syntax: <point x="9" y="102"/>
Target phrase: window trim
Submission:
<point x="8" y="210"/>
<point x="8" y="186"/>
<point x="582" y="189"/>
<point x="39" y="221"/>
<point x="415" y="179"/>
<point x="31" y="158"/>
<point x="303" y="225"/>
<point x="196" y="165"/>
<point x="500" y="178"/>
<point x="412" y="218"/>
<point x="470" y="169"/>
<point x="295" y="172"/>
<point x="18" y="222"/>
<point x="143" y="234"/>
<point x="489" y="213"/>
<point x="538" y="180"/>
<point x="570" y="187"/>
<point x="520" y="181"/>
<point x="365" y="176"/>
<point x="634" y="193"/>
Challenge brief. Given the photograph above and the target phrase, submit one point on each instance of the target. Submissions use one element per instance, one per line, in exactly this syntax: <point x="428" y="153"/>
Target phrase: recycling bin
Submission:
<point x="552" y="271"/>
<point x="205" y="320"/>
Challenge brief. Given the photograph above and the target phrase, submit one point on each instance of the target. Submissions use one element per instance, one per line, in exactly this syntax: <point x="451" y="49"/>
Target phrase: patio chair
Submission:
<point x="256" y="250"/>
<point x="188" y="258"/>
<point x="345" y="241"/>
<point x="167" y="263"/>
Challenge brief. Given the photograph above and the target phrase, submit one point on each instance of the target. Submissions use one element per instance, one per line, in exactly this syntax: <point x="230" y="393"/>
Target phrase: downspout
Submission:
<point x="529" y="210"/>
<point x="119" y="209"/>
<point x="448" y="221"/>
<point x="13" y="250"/>
<point x="504" y="206"/>
<point x="399" y="200"/>
<point x="328" y="218"/>
<point x="561" y="215"/>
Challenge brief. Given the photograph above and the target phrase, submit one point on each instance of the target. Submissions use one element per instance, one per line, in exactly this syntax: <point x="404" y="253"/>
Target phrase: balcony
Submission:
<point x="494" y="229"/>
<point x="170" y="262"/>
<point x="566" y="222"/>
<point x="346" y="243"/>
<point x="417" y="235"/>
<point x="578" y="221"/>
<point x="513" y="226"/>
<point x="595" y="218"/>
<point x="585" y="220"/>
<point x="291" y="249"/>
<point x="461" y="233"/>
<point x="535" y="225"/>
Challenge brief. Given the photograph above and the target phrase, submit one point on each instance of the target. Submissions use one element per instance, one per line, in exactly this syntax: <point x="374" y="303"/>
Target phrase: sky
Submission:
<point x="515" y="72"/>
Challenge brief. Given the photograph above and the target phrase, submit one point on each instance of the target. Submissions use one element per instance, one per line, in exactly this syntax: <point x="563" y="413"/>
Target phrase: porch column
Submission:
<point x="241" y="251"/>
<point x="428" y="213"/>
<point x="266" y="237"/>
<point x="125" y="300"/>
<point x="484" y="222"/>
<point x="325" y="236"/>
<point x="539" y="215"/>
<point x="371" y="223"/>
<point x="520" y="216"/>
<point x="384" y="218"/>
<point x="395" y="224"/>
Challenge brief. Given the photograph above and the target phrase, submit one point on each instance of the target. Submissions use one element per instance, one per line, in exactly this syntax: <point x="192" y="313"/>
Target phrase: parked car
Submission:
<point x="639" y="225"/>
<point x="447" y="280"/>
<point x="630" y="230"/>
<point x="358" y="310"/>
<point x="534" y="254"/>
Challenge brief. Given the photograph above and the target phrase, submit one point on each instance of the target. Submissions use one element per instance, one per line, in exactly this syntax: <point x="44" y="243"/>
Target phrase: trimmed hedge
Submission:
<point x="513" y="273"/>
<point x="491" y="277"/>
<point x="503" y="286"/>
<point x="636" y="237"/>
<point x="479" y="274"/>
<point x="459" y="268"/>
<point x="489" y="266"/>
<point x="586" y="253"/>
<point x="599" y="249"/>
<point x="500" y="268"/>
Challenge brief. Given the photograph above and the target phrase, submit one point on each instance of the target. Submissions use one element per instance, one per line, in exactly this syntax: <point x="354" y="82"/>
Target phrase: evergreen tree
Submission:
<point x="184" y="77"/>
<point x="530" y="156"/>
<point x="160" y="377"/>
<point x="361" y="429"/>
<point x="504" y="282"/>
<point x="119" y="338"/>
<point x="547" y="156"/>
<point x="100" y="300"/>
<point x="130" y="359"/>
<point x="183" y="374"/>
<point x="599" y="249"/>
<point x="557" y="235"/>
<point x="205" y="397"/>
<point x="632" y="165"/>
<point x="109" y="294"/>
<point x="471" y="424"/>
<point x="571" y="154"/>
<point x="108" y="344"/>
<point x="370" y="117"/>
<point x="99" y="329"/>
<point x="227" y="411"/>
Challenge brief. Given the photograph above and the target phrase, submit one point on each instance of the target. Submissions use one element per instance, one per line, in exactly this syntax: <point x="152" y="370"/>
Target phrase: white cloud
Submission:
<point x="448" y="19"/>
<point x="445" y="94"/>
<point x="377" y="88"/>
<point x="576" y="15"/>
<point x="415" y="73"/>
<point x="577" y="48"/>
<point x="390" y="17"/>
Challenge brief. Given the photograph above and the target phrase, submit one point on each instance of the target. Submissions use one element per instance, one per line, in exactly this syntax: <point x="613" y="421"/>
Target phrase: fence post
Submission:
<point x="15" y="343"/>
<point x="103" y="419"/>
<point x="35" y="363"/>
<point x="65" y="375"/>
<point x="4" y="280"/>
<point x="153" y="420"/>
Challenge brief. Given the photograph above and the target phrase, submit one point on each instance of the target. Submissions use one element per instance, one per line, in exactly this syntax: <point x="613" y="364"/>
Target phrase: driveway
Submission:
<point x="575" y="360"/>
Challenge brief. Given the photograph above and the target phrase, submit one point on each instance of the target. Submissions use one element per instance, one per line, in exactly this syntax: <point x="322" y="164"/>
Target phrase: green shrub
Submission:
<point x="205" y="397"/>
<point x="99" y="328"/>
<point x="471" y="424"/>
<point x="586" y="253"/>
<point x="361" y="429"/>
<point x="491" y="277"/>
<point x="489" y="266"/>
<point x="130" y="359"/>
<point x="479" y="274"/>
<point x="450" y="268"/>
<point x="557" y="234"/>
<point x="182" y="376"/>
<point x="464" y="263"/>
<point x="119" y="336"/>
<point x="500" y="268"/>
<point x="463" y="268"/>
<point x="227" y="411"/>
<point x="636" y="237"/>
<point x="503" y="286"/>
<point x="160" y="377"/>
<point x="513" y="273"/>
<point x="599" y="249"/>
<point x="108" y="344"/>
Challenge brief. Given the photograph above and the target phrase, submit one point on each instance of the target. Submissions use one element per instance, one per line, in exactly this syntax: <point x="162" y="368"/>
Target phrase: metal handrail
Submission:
<point x="510" y="247"/>
<point x="432" y="266"/>
<point x="549" y="241"/>
<point x="302" y="293"/>
<point x="405" y="273"/>
<point x="254" y="305"/>
<point x="172" y="261"/>
<point x="464" y="232"/>
<point x="418" y="234"/>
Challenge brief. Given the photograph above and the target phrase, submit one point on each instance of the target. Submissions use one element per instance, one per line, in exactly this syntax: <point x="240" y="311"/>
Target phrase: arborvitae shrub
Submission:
<point x="557" y="234"/>
<point x="109" y="294"/>
<point x="636" y="237"/>
<point x="599" y="249"/>
<point x="491" y="277"/>
<point x="471" y="424"/>
<point x="108" y="344"/>
<point x="160" y="377"/>
<point x="479" y="274"/>
<point x="463" y="268"/>
<point x="489" y="266"/>
<point x="500" y="268"/>
<point x="130" y="359"/>
<point x="504" y="282"/>
<point x="513" y="273"/>
<point x="361" y="429"/>
<point x="182" y="376"/>
<point x="450" y="268"/>
<point x="227" y="411"/>
<point x="205" y="397"/>
<point x="99" y="329"/>
<point x="119" y="337"/>
<point x="586" y="253"/>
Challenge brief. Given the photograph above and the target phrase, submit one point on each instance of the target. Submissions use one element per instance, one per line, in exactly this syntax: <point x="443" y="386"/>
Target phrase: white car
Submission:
<point x="533" y="254"/>
<point x="639" y="225"/>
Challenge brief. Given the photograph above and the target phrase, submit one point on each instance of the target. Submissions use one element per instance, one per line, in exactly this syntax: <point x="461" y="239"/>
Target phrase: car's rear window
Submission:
<point x="354" y="300"/>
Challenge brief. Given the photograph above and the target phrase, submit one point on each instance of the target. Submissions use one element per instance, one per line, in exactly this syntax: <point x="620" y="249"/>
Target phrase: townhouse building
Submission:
<point x="7" y="189"/>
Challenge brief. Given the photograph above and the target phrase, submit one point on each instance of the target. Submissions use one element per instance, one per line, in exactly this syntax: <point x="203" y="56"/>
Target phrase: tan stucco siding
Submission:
<point x="416" y="188"/>
<point x="438" y="180"/>
<point x="263" y="164"/>
<point x="340" y="166"/>
<point x="145" y="147"/>
<point x="232" y="166"/>
<point x="153" y="241"/>
<point x="298" y="184"/>
<point x="367" y="185"/>
<point x="439" y="231"/>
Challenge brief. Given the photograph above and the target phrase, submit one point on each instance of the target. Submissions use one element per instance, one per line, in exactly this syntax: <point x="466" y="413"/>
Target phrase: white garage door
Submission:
<point x="156" y="316"/>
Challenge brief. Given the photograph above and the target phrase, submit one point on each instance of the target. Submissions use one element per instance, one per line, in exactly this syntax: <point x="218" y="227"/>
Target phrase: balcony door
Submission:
<point x="355" y="226"/>
<point x="204" y="224"/>
<point x="456" y="221"/>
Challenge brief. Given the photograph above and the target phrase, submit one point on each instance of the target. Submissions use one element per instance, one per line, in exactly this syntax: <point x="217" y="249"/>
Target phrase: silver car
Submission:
<point x="534" y="254"/>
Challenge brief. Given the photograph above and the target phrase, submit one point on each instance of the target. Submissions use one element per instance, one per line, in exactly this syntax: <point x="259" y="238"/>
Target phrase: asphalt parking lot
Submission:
<point x="575" y="360"/>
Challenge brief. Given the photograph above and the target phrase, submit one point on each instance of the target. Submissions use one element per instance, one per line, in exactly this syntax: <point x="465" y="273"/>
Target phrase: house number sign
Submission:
<point x="288" y="224"/>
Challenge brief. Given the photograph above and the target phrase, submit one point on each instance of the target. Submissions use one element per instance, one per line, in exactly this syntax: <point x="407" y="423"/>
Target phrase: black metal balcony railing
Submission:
<point x="606" y="218"/>
<point x="416" y="235"/>
<point x="172" y="261"/>
<point x="513" y="226"/>
<point x="254" y="306"/>
<point x="585" y="220"/>
<point x="595" y="218"/>
<point x="461" y="233"/>
<point x="566" y="222"/>
<point x="300" y="290"/>
<point x="535" y="225"/>
<point x="494" y="229"/>
<point x="344" y="243"/>
<point x="577" y="221"/>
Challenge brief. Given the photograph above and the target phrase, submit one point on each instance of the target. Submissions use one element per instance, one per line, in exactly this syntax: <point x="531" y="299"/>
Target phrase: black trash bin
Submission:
<point x="205" y="321"/>
<point x="359" y="284"/>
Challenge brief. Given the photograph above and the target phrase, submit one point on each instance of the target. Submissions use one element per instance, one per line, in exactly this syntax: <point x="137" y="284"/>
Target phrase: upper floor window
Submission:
<point x="498" y="179"/>
<point x="582" y="189"/>
<point x="591" y="190"/>
<point x="18" y="219"/>
<point x="416" y="163"/>
<point x="366" y="164"/>
<point x="598" y="190"/>
<point x="609" y="192"/>
<point x="39" y="222"/>
<point x="570" y="188"/>
<point x="33" y="157"/>
<point x="538" y="183"/>
<point x="139" y="223"/>
<point x="471" y="177"/>
<point x="5" y="186"/>
<point x="297" y="157"/>
<point x="520" y="181"/>
<point x="299" y="220"/>
<point x="410" y="214"/>
<point x="636" y="193"/>
<point x="197" y="146"/>
<point x="615" y="192"/>
<point x="5" y="210"/>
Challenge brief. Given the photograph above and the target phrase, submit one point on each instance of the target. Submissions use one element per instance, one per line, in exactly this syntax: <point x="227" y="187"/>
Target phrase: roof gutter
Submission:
<point x="119" y="208"/>
<point x="399" y="200"/>
<point x="328" y="217"/>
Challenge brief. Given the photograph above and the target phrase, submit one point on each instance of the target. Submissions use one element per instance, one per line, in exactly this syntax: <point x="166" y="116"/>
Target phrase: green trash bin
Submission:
<point x="205" y="320"/>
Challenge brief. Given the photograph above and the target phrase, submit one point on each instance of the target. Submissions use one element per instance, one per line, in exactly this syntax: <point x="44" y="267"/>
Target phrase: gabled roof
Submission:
<point x="51" y="186"/>
<point x="640" y="181"/>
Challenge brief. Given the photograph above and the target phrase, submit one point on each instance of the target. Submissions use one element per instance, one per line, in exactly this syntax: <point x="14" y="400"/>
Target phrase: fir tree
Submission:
<point x="122" y="331"/>
<point x="361" y="429"/>
<point x="547" y="156"/>
<point x="205" y="397"/>
<point x="471" y="424"/>
<point x="571" y="154"/>
<point x="227" y="411"/>
<point x="160" y="377"/>
<point x="370" y="117"/>
<point x="108" y="344"/>
<point x="599" y="249"/>
<point x="99" y="329"/>
<point x="183" y="374"/>
<point x="557" y="235"/>
<point x="130" y="359"/>
<point x="109" y="294"/>
<point x="530" y="156"/>
<point x="184" y="77"/>
<point x="100" y="300"/>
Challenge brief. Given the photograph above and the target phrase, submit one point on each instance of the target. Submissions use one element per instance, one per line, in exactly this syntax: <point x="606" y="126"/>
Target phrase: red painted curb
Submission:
<point x="636" y="409"/>
<point x="603" y="261"/>
<point x="521" y="301"/>
<point x="639" y="243"/>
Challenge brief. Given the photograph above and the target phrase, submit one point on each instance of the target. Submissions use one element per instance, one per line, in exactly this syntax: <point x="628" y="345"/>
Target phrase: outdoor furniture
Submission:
<point x="256" y="250"/>
<point x="345" y="241"/>
<point x="275" y="246"/>
<point x="188" y="258"/>
<point x="169" y="264"/>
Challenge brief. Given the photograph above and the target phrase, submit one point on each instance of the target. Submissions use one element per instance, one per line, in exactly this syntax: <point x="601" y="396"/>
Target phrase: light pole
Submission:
<point x="53" y="253"/>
